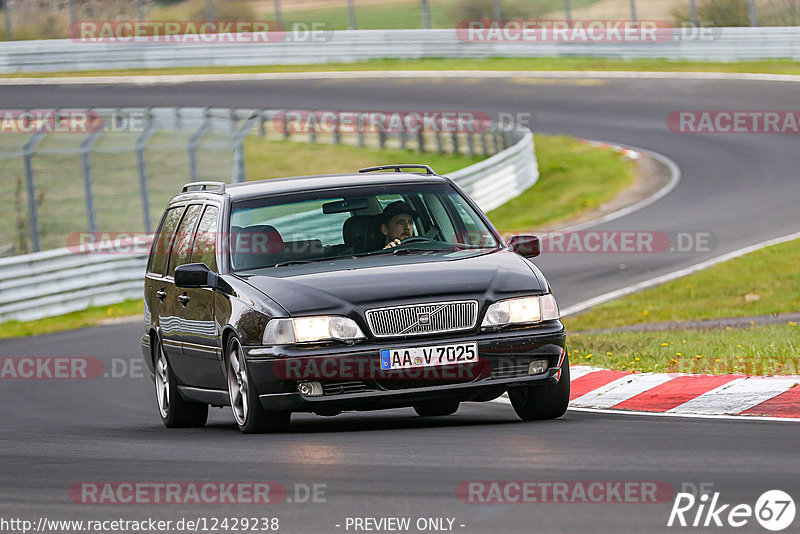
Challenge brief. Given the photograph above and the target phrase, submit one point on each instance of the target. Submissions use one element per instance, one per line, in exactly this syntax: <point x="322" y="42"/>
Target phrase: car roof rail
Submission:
<point x="399" y="168"/>
<point x="211" y="187"/>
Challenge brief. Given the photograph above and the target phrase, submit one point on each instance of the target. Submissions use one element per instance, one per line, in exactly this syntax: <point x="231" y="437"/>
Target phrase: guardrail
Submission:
<point x="63" y="280"/>
<point x="718" y="44"/>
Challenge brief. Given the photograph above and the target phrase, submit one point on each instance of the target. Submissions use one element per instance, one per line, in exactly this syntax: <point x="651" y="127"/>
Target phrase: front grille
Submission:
<point x="422" y="319"/>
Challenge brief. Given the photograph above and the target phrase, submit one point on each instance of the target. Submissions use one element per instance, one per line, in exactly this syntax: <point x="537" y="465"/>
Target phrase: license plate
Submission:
<point x="411" y="357"/>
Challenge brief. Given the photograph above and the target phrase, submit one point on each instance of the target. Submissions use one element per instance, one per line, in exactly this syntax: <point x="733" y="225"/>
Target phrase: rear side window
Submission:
<point x="182" y="246"/>
<point x="204" y="250"/>
<point x="163" y="243"/>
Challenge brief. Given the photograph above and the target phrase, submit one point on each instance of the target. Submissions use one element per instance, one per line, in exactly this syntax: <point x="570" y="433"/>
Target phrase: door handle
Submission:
<point x="184" y="299"/>
<point x="161" y="294"/>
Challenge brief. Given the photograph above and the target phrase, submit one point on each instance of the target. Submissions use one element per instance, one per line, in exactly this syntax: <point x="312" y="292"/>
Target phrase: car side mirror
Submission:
<point x="525" y="245"/>
<point x="194" y="275"/>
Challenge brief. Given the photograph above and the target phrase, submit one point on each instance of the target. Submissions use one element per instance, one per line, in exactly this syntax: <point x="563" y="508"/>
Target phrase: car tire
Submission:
<point x="534" y="403"/>
<point x="250" y="416"/>
<point x="436" y="409"/>
<point x="175" y="412"/>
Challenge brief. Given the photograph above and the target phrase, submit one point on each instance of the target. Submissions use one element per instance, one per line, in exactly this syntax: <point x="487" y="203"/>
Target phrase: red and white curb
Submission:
<point x="687" y="395"/>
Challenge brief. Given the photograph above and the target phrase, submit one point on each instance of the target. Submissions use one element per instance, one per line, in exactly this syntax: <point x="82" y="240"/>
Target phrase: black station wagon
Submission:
<point x="331" y="293"/>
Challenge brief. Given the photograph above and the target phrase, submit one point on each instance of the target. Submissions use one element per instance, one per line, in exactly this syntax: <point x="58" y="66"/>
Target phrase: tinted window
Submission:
<point x="204" y="250"/>
<point x="182" y="244"/>
<point x="163" y="240"/>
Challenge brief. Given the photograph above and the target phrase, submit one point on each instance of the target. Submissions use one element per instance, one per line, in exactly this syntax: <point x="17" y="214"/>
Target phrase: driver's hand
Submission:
<point x="392" y="244"/>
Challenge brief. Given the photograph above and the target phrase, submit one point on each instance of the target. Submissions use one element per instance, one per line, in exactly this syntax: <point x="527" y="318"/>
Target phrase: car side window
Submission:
<point x="204" y="249"/>
<point x="163" y="241"/>
<point x="182" y="246"/>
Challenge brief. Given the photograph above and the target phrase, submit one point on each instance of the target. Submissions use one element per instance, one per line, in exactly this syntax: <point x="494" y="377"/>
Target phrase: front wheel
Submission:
<point x="250" y="416"/>
<point x="174" y="410"/>
<point x="534" y="403"/>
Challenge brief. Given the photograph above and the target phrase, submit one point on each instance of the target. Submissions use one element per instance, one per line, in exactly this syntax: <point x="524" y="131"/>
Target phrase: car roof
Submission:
<point x="298" y="184"/>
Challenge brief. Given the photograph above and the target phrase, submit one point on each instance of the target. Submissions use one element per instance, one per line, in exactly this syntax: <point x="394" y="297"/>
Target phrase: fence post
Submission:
<point x="194" y="140"/>
<point x="497" y="10"/>
<point x="7" y="17"/>
<point x="360" y="133"/>
<point x="426" y="14"/>
<point x="239" y="174"/>
<point x="33" y="214"/>
<point x="471" y="143"/>
<point x="568" y="10"/>
<point x="210" y="10"/>
<point x="86" y="147"/>
<point x="351" y="15"/>
<point x="262" y="130"/>
<point x="141" y="142"/>
<point x="753" y="14"/>
<point x="693" y="11"/>
<point x="420" y="141"/>
<point x="633" y="11"/>
<point x="71" y="6"/>
<point x="278" y="15"/>
<point x="140" y="9"/>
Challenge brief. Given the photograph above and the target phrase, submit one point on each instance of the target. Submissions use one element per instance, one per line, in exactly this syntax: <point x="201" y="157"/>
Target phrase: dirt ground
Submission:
<point x="268" y="6"/>
<point x="621" y="9"/>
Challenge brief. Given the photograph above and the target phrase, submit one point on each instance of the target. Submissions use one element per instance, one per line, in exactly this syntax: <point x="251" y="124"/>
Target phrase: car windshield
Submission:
<point x="327" y="225"/>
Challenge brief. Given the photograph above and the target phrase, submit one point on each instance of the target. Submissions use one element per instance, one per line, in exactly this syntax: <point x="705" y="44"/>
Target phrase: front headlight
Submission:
<point x="310" y="330"/>
<point x="524" y="310"/>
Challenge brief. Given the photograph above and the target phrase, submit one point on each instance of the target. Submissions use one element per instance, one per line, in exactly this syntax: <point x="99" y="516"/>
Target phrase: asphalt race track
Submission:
<point x="742" y="188"/>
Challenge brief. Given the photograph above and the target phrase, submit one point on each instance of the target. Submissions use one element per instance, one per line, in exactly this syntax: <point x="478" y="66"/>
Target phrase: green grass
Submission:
<point x="574" y="177"/>
<point x="272" y="159"/>
<point x="777" y="66"/>
<point x="759" y="350"/>
<point x="763" y="282"/>
<point x="89" y="317"/>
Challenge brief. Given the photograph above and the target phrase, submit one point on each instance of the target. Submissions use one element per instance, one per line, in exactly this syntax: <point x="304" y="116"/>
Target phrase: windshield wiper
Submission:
<point x="313" y="260"/>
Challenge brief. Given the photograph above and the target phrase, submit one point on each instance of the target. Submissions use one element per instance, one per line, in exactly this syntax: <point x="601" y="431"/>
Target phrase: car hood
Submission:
<point x="343" y="289"/>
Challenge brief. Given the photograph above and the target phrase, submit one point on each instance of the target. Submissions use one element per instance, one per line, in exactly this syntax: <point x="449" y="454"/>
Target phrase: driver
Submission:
<point x="397" y="222"/>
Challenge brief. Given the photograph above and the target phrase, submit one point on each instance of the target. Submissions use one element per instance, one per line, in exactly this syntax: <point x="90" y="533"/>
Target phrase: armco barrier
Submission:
<point x="722" y="44"/>
<point x="54" y="282"/>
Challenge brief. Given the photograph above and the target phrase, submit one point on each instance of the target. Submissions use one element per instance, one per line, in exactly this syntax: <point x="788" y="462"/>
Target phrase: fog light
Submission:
<point x="537" y="367"/>
<point x="310" y="389"/>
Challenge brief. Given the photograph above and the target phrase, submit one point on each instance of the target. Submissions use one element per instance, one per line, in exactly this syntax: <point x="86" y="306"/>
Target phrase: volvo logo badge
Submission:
<point x="424" y="318"/>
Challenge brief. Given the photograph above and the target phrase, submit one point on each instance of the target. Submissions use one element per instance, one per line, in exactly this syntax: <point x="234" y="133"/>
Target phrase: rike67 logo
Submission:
<point x="774" y="510"/>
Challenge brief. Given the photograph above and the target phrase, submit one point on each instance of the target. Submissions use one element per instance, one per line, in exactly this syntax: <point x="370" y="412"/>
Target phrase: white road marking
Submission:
<point x="620" y="390"/>
<point x="338" y="75"/>
<point x="736" y="396"/>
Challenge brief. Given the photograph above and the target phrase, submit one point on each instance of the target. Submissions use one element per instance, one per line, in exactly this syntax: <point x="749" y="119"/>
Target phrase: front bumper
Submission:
<point x="352" y="379"/>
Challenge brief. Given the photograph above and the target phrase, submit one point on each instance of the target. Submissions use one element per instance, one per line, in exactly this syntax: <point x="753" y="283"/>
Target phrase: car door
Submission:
<point x="199" y="333"/>
<point x="159" y="289"/>
<point x="173" y="329"/>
